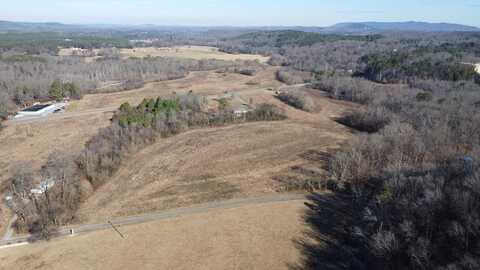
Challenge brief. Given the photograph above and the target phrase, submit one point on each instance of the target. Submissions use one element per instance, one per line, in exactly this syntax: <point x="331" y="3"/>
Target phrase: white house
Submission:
<point x="241" y="111"/>
<point x="43" y="187"/>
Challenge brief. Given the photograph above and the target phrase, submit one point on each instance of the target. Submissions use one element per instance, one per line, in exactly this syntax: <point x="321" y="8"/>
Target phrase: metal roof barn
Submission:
<point x="40" y="110"/>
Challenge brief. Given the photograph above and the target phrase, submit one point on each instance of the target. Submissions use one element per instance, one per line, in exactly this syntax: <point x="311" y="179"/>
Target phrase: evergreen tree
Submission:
<point x="56" y="90"/>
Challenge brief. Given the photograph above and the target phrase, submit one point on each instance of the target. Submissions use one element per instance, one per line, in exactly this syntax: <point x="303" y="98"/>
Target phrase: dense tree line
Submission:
<point x="312" y="52"/>
<point x="406" y="188"/>
<point x="406" y="195"/>
<point x="391" y="57"/>
<point x="268" y="41"/>
<point x="50" y="42"/>
<point x="22" y="82"/>
<point x="394" y="67"/>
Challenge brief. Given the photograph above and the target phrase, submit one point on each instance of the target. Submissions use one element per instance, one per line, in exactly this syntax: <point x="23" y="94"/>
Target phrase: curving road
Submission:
<point x="185" y="211"/>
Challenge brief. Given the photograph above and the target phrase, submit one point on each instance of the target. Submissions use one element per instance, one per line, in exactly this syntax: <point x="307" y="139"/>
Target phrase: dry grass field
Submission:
<point x="194" y="167"/>
<point x="250" y="237"/>
<point x="33" y="143"/>
<point x="219" y="163"/>
<point x="189" y="52"/>
<point x="200" y="82"/>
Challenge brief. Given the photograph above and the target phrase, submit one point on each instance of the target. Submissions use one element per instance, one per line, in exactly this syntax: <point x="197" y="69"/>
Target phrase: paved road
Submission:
<point x="230" y="204"/>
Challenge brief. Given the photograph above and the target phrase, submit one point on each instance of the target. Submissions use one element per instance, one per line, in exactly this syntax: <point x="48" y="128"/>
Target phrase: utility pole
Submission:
<point x="115" y="228"/>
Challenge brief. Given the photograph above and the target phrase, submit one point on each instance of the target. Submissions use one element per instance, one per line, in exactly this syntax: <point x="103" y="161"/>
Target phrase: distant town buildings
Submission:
<point x="144" y="41"/>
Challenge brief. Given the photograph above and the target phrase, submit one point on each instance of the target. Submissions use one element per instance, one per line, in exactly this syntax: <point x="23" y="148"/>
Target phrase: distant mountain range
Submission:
<point x="350" y="27"/>
<point x="376" y="27"/>
<point x="7" y="26"/>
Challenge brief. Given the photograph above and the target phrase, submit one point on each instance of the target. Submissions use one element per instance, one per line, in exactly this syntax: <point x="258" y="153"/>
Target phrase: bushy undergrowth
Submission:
<point x="297" y="99"/>
<point x="291" y="76"/>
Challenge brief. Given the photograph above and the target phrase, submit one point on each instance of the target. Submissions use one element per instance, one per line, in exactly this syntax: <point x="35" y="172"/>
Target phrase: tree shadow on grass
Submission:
<point x="328" y="243"/>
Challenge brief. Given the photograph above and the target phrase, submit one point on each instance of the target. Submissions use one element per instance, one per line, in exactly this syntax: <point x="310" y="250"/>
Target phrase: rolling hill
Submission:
<point x="376" y="27"/>
<point x="348" y="27"/>
<point x="8" y="26"/>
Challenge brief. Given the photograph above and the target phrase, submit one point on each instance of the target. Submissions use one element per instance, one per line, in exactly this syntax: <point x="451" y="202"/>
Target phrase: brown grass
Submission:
<point x="201" y="82"/>
<point x="35" y="141"/>
<point x="194" y="167"/>
<point x="211" y="164"/>
<point x="189" y="52"/>
<point x="250" y="237"/>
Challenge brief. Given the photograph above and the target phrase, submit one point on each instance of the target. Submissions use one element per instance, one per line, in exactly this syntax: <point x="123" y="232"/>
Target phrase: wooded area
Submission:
<point x="406" y="193"/>
<point x="405" y="189"/>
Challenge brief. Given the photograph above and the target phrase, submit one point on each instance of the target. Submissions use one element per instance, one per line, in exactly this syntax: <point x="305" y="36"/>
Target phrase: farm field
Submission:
<point x="190" y="52"/>
<point x="201" y="82"/>
<point x="249" y="237"/>
<point x="243" y="160"/>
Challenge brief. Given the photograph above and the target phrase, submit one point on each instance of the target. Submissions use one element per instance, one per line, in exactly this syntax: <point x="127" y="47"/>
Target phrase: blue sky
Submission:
<point x="241" y="12"/>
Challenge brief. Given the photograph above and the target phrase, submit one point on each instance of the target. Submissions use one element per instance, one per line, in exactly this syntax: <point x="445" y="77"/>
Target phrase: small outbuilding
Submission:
<point x="38" y="110"/>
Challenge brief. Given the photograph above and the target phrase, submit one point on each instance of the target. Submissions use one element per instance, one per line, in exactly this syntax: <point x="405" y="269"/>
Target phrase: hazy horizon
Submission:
<point x="240" y="14"/>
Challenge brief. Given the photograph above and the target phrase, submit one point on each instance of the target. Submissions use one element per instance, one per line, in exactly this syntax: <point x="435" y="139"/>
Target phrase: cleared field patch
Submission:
<point x="217" y="163"/>
<point x="249" y="237"/>
<point x="191" y="52"/>
<point x="35" y="141"/>
<point x="201" y="82"/>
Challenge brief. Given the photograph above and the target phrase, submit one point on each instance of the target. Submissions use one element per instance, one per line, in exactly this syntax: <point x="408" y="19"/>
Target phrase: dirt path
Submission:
<point x="184" y="211"/>
<point x="256" y="236"/>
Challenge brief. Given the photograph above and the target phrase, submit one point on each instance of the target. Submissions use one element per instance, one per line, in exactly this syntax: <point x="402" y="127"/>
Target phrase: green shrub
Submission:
<point x="424" y="96"/>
